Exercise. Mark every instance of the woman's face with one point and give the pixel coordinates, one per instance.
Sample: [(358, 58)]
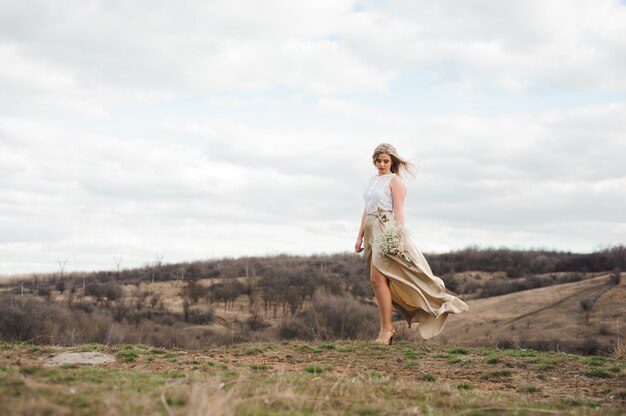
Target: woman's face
[(383, 163)]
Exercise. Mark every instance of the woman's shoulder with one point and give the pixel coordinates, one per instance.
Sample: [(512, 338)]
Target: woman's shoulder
[(397, 180)]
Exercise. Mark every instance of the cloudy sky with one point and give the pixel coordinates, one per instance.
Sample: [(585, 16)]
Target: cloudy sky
[(200, 129)]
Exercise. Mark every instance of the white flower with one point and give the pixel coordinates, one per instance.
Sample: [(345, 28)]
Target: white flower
[(391, 241)]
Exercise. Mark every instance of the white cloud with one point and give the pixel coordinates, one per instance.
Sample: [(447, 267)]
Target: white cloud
[(482, 181), (87, 57), (196, 129), (513, 45)]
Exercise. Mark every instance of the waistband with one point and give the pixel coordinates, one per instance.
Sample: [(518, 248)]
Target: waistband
[(382, 214), (379, 211)]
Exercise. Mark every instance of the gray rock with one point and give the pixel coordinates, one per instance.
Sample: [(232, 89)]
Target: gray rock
[(85, 358)]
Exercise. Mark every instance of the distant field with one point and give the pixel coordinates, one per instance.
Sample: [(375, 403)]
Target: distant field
[(358, 378)]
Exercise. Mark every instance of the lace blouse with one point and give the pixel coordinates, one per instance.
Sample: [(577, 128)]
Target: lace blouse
[(378, 193)]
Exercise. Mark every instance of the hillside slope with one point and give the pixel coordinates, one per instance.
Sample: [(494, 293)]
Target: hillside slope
[(542, 316)]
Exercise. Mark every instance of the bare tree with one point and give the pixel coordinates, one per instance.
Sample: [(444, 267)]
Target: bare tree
[(118, 260), (159, 261), (62, 266), (35, 288)]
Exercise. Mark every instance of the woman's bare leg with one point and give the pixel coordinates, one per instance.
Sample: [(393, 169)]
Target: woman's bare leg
[(383, 297)]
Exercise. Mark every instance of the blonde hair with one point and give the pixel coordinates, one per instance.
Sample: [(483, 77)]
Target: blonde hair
[(399, 166)]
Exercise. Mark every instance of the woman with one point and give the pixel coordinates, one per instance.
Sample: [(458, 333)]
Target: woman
[(403, 281)]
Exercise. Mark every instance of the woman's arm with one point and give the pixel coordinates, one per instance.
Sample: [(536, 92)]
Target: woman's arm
[(398, 191), (358, 247)]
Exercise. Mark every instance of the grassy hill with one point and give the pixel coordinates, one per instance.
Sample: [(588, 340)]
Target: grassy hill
[(343, 377), (589, 314)]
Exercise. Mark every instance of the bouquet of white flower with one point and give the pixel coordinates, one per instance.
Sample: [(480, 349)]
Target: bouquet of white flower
[(391, 241)]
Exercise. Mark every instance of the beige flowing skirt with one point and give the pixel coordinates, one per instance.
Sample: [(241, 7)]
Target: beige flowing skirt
[(417, 294)]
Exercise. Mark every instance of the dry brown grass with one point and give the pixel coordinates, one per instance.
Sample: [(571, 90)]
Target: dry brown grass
[(549, 317), (543, 316), (354, 378), (619, 351)]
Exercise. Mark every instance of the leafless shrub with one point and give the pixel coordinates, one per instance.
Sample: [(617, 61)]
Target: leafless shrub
[(604, 330), (332, 317), (586, 304), (120, 311), (471, 287), (24, 318), (619, 348), (83, 306), (45, 292), (200, 317), (256, 322), (616, 277), (60, 286), (155, 300), (192, 291), (590, 346), (105, 292)]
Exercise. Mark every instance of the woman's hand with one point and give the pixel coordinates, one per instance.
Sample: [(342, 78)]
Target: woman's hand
[(358, 247)]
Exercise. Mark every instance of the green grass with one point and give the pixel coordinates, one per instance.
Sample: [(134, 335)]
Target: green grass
[(521, 352), (316, 369), (173, 374), (595, 361), (529, 388), (488, 350), (454, 359), (259, 366), (598, 372), (313, 369), (409, 353), (89, 347), (493, 360), (128, 356), (375, 376), (496, 375), (27, 371), (428, 377)]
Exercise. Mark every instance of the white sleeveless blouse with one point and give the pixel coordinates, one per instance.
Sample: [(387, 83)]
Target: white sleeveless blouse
[(378, 193)]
